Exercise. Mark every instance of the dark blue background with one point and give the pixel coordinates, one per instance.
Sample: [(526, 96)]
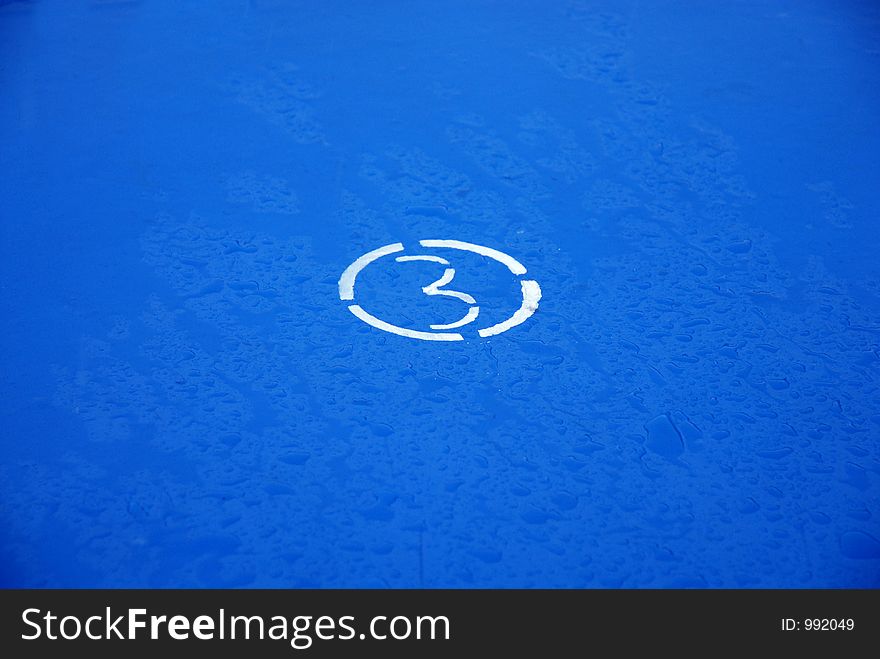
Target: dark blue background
[(186, 402)]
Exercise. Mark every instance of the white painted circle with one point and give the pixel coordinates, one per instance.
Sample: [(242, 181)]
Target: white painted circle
[(531, 291)]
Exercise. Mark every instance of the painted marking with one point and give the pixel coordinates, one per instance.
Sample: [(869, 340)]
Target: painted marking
[(346, 281), (470, 317), (401, 331), (531, 291), (422, 257), (434, 289), (512, 264)]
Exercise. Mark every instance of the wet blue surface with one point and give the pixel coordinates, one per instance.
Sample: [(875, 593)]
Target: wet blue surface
[(187, 402)]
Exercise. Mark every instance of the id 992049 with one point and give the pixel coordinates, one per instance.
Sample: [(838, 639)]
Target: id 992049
[(817, 624)]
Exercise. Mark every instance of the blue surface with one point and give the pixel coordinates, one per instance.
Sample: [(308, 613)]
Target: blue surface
[(187, 402)]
